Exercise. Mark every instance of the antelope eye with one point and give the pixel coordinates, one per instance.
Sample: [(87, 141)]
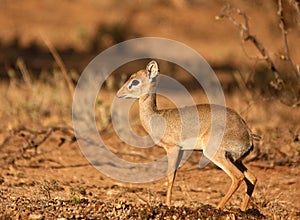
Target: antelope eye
[(135, 82)]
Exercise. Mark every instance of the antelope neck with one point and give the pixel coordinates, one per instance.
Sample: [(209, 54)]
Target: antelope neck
[(147, 102)]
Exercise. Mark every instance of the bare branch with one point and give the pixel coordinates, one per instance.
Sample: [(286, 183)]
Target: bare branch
[(286, 55), (284, 33), (286, 91), (296, 4), (246, 35)]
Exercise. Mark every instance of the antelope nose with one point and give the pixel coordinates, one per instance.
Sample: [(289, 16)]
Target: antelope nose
[(120, 95)]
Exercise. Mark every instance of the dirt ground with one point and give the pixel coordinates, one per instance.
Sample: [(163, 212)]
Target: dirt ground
[(43, 172)]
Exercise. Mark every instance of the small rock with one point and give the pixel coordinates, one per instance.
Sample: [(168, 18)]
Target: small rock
[(35, 216)]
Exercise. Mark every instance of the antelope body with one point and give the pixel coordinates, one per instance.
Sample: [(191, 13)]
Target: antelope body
[(236, 143)]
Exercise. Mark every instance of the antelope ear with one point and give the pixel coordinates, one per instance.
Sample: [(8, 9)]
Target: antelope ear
[(152, 70)]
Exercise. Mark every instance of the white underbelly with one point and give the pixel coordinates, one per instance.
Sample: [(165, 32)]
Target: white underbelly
[(191, 144)]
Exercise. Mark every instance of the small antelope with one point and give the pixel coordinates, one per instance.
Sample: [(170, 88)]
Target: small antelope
[(236, 143)]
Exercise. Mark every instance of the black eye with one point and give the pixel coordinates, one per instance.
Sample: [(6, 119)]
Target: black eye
[(135, 82)]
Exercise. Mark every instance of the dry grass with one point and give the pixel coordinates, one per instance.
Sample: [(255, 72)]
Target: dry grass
[(44, 103)]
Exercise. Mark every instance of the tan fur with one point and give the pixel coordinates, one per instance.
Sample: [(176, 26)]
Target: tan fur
[(237, 140)]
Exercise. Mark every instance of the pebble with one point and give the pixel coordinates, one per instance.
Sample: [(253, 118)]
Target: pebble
[(35, 216)]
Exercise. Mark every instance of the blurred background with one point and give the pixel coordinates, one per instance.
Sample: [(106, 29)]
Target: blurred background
[(81, 29)]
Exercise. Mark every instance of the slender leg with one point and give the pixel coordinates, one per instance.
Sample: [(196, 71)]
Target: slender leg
[(236, 176), (174, 158), (250, 180)]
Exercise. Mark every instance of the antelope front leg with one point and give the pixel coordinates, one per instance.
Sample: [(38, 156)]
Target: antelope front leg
[(174, 158)]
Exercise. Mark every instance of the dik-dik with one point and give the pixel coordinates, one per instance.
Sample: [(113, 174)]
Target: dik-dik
[(236, 142)]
